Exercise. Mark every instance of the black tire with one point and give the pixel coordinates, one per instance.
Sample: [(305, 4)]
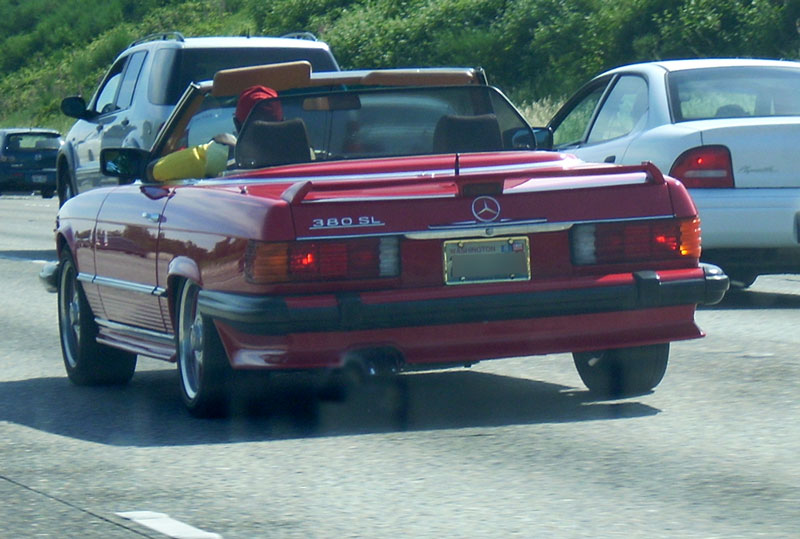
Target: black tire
[(623, 372), (64, 185), (87, 362), (48, 193), (742, 279), (203, 369)]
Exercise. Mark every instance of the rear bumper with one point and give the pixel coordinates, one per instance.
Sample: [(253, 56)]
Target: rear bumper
[(353, 312), (749, 217), (741, 263), (28, 179)]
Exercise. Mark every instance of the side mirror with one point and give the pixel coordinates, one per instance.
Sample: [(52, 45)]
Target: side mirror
[(533, 138), (544, 138), (127, 164), (521, 139), (75, 107)]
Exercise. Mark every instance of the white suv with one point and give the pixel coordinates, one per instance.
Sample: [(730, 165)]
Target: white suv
[(143, 85)]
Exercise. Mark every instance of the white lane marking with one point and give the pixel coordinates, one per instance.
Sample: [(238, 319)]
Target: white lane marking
[(168, 526)]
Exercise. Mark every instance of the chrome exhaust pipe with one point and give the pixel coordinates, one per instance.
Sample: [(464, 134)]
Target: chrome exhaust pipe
[(382, 362)]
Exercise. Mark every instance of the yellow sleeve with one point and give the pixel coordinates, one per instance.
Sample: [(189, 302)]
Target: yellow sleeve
[(201, 161), (187, 163)]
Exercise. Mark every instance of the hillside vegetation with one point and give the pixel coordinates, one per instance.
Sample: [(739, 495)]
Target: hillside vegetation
[(537, 51)]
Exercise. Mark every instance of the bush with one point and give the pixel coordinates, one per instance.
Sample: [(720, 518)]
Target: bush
[(537, 51)]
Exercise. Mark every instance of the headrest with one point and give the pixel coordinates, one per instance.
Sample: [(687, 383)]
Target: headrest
[(263, 144)]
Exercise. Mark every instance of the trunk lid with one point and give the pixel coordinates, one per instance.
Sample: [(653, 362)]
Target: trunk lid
[(474, 198), (762, 149)]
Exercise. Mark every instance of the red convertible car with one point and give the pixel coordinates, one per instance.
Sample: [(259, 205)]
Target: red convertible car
[(393, 220)]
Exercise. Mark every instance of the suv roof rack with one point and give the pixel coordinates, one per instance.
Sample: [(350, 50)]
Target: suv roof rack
[(161, 36), (301, 35)]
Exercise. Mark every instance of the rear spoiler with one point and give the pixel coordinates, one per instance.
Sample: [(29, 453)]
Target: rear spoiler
[(484, 182)]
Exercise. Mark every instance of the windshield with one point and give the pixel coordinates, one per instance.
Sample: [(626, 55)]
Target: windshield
[(733, 92), (363, 123)]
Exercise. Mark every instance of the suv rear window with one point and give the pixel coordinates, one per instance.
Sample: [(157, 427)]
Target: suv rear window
[(176, 68), (31, 142)]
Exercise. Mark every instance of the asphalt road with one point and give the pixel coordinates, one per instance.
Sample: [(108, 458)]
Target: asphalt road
[(511, 447)]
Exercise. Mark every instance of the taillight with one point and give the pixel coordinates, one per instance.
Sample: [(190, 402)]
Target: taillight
[(324, 260), (635, 241), (704, 167)]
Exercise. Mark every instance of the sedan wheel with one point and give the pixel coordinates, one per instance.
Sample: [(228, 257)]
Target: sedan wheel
[(87, 362), (203, 366), (623, 372)]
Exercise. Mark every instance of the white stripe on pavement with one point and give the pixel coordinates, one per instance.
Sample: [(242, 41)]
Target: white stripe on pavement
[(168, 526)]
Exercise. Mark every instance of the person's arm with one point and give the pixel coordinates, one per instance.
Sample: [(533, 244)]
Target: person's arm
[(202, 161)]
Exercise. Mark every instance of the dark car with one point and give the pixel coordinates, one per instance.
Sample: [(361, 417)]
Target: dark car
[(28, 160)]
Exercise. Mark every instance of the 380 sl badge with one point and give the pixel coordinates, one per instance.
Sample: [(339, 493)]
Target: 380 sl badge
[(345, 222)]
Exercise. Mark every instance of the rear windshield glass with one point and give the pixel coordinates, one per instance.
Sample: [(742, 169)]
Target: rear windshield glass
[(372, 123), (167, 83), (385, 122), (734, 92), (32, 142)]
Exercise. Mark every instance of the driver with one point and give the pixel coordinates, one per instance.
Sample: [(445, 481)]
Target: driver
[(210, 159)]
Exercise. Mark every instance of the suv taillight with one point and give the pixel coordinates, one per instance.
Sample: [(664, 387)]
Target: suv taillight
[(636, 241), (324, 260), (704, 167)]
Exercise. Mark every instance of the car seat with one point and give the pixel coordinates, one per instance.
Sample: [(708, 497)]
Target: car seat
[(467, 134), (264, 144), (730, 111)]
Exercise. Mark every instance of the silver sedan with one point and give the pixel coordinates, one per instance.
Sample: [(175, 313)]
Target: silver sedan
[(728, 128)]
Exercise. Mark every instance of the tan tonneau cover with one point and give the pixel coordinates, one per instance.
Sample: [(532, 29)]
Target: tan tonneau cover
[(298, 75)]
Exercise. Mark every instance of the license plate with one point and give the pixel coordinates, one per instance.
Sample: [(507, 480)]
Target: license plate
[(487, 260), (39, 178)]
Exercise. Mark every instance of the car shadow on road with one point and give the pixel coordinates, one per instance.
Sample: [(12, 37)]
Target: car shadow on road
[(148, 412), (40, 254), (756, 299)]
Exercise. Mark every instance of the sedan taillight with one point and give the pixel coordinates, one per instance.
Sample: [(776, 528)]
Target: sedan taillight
[(636, 241), (704, 167), (324, 260)]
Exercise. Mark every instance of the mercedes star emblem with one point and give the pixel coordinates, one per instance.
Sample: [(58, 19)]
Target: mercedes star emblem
[(485, 209)]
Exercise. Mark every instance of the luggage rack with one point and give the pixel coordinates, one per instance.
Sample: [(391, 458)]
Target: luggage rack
[(160, 36), (301, 35)]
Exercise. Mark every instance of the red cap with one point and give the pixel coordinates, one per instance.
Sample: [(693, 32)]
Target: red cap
[(249, 97)]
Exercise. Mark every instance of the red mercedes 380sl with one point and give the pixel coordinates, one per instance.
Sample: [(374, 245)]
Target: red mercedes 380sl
[(390, 220)]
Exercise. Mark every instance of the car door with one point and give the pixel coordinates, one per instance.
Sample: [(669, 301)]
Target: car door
[(107, 124), (126, 241), (118, 130), (603, 118)]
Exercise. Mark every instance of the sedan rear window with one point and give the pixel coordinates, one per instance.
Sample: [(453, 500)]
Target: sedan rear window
[(734, 92)]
